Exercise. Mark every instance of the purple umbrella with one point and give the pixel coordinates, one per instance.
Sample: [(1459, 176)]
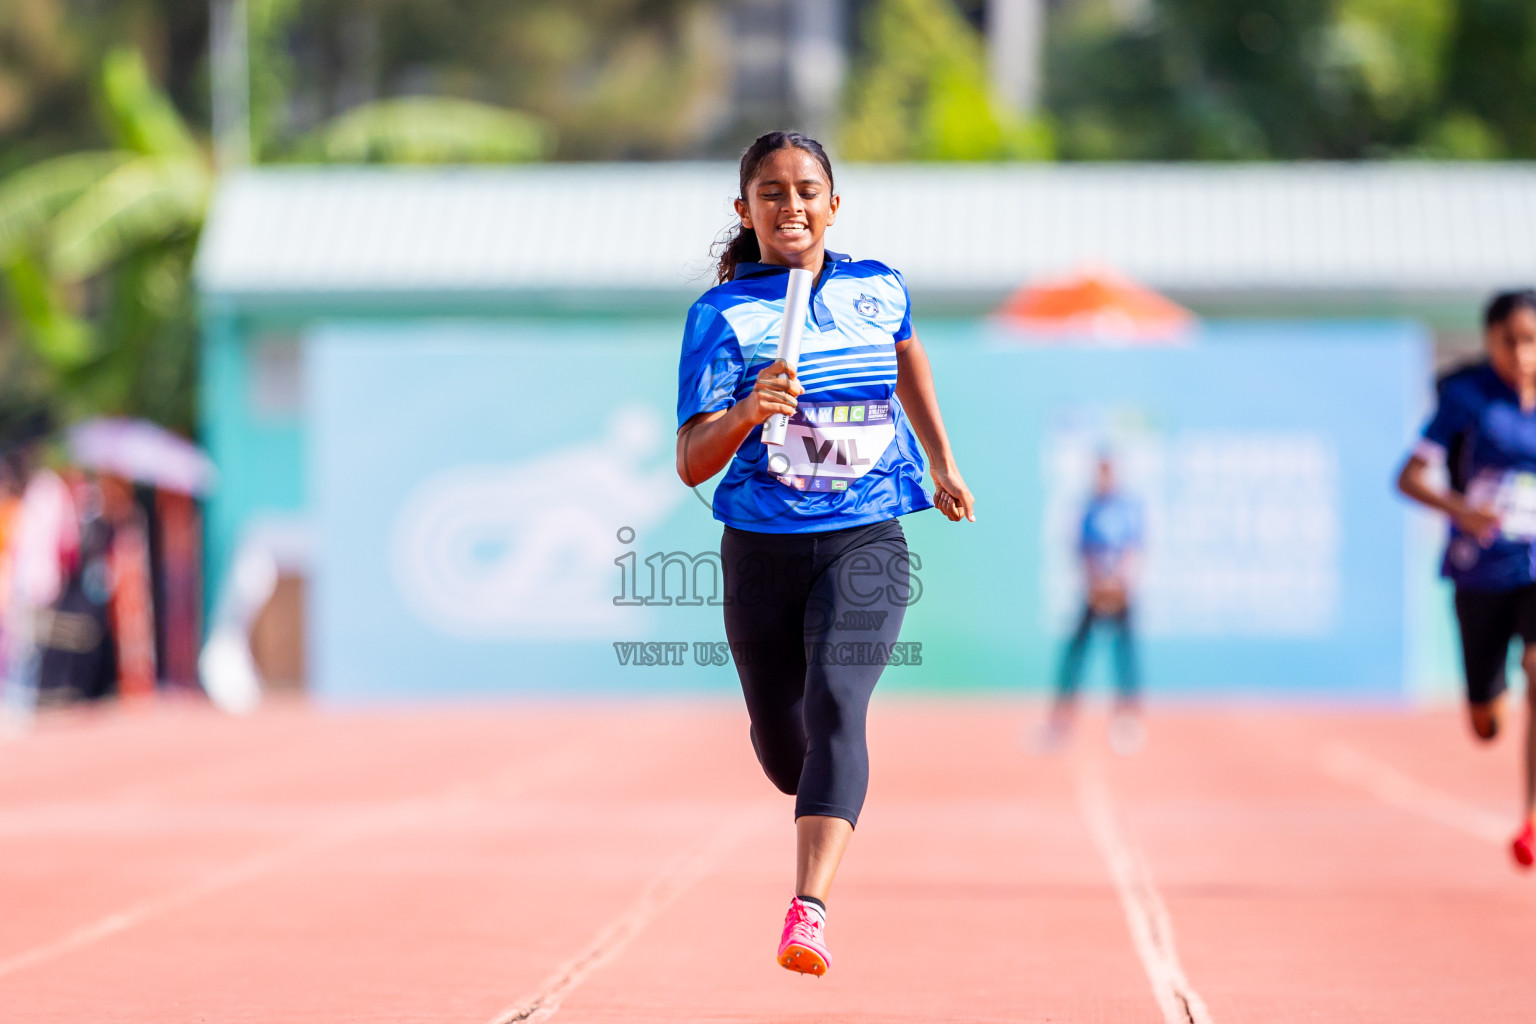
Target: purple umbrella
[(141, 451)]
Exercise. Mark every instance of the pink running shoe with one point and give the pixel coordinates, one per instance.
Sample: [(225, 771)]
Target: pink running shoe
[(804, 945), (1523, 848)]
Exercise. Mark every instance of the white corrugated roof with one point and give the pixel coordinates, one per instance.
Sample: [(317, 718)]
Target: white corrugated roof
[(953, 228)]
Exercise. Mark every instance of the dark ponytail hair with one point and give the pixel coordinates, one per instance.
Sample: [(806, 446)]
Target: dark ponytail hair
[(740, 246), (1503, 306)]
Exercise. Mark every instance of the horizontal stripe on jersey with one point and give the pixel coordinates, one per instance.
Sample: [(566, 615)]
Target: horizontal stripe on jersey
[(1489, 443), (849, 468)]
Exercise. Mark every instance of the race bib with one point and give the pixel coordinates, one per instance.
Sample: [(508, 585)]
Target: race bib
[(830, 444), (1510, 493)]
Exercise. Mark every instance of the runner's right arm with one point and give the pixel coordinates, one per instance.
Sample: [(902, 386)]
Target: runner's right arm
[(1450, 419), (707, 442), (1413, 482)]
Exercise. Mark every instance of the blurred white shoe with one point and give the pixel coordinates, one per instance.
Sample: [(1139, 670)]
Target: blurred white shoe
[(1127, 734), (1052, 736)]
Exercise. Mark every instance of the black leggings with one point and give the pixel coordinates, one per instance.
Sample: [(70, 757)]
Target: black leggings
[(810, 618), (1489, 621)]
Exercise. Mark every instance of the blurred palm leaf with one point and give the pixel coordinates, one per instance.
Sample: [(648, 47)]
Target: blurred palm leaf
[(147, 200), (32, 197), (128, 219), (139, 114), (113, 233), (60, 338), (429, 130)]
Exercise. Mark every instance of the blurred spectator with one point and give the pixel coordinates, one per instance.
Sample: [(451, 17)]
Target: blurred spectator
[(78, 658), (179, 589), (11, 484), (1109, 546), (100, 574), (131, 608), (43, 547)]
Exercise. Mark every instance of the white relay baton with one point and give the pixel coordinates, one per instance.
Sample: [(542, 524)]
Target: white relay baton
[(797, 300)]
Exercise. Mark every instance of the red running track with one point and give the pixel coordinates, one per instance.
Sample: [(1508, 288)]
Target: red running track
[(629, 863)]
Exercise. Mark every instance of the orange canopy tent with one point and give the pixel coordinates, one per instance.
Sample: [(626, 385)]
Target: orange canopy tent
[(1098, 306)]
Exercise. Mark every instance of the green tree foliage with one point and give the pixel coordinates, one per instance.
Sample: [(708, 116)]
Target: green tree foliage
[(50, 54), (429, 130), (269, 24), (96, 246), (104, 184), (1311, 79), (36, 62), (1485, 109), (1390, 52), (609, 78), (921, 92)]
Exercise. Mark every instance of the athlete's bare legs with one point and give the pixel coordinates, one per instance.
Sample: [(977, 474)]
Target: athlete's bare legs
[(1488, 718), (1528, 662), (1524, 845), (820, 842)]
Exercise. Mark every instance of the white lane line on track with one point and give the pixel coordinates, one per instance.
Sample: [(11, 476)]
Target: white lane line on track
[(396, 815), (616, 936), (136, 914), (1150, 926), (1391, 786)]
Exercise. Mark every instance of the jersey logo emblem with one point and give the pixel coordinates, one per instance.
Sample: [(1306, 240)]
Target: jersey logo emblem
[(866, 307), (1463, 553)]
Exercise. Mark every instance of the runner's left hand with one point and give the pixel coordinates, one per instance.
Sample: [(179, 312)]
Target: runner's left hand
[(952, 497)]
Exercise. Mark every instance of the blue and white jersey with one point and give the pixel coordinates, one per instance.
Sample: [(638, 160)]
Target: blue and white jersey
[(1489, 446), (1112, 528), (853, 457)]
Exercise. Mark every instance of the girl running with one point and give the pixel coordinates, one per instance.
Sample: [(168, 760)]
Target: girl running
[(816, 567), (1484, 433)]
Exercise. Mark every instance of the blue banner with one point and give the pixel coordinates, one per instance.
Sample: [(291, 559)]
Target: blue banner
[(497, 510)]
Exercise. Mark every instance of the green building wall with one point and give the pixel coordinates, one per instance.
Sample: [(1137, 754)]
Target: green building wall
[(259, 453)]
